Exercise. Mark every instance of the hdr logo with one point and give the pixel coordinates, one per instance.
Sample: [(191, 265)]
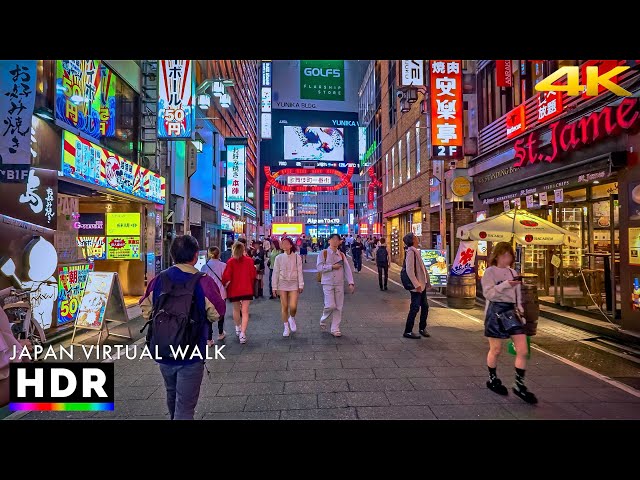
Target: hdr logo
[(61, 386), (322, 72)]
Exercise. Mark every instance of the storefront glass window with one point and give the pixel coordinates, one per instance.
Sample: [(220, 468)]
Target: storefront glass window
[(603, 191)]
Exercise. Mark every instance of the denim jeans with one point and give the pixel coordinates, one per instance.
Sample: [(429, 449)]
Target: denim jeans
[(418, 302), (183, 388)]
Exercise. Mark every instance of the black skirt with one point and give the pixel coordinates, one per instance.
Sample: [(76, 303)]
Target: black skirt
[(238, 299), (494, 326)]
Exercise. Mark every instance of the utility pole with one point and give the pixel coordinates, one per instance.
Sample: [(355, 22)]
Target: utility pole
[(190, 167)]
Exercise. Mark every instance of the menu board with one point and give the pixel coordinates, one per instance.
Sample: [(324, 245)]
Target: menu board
[(123, 248), (96, 247), (72, 280), (436, 265), (123, 224)]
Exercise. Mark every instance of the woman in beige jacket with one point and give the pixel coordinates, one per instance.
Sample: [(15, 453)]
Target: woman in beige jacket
[(420, 279)]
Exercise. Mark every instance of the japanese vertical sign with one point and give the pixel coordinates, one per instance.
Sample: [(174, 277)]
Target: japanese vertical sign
[(447, 135), (17, 98), (549, 105), (236, 168), (504, 76), (412, 73), (107, 102), (175, 99), (72, 280), (35, 201), (465, 258), (78, 95)]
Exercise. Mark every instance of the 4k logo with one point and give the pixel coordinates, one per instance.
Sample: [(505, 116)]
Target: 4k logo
[(595, 82)]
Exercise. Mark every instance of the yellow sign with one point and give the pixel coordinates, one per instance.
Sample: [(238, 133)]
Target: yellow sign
[(634, 246), (123, 224), (288, 228), (460, 186), (123, 248), (595, 80)]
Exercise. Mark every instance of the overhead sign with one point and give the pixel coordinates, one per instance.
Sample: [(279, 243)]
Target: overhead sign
[(516, 121), (175, 99), (123, 224), (265, 99), (249, 210), (123, 248), (412, 73), (93, 164), (308, 180), (447, 134), (504, 75), (233, 207), (288, 228), (78, 95), (322, 79), (236, 172), (72, 280), (266, 74), (323, 221)]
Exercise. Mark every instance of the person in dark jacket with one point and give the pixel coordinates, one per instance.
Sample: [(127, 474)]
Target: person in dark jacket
[(258, 261), (357, 247), (226, 255), (382, 262)]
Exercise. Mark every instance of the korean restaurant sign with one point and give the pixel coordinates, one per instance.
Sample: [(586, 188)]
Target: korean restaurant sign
[(17, 99), (90, 163), (567, 137), (78, 95), (236, 168), (516, 121), (447, 135), (412, 73), (175, 99)]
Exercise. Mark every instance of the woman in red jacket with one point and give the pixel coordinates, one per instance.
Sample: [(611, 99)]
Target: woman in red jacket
[(238, 278)]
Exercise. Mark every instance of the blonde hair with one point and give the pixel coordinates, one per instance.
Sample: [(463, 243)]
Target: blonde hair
[(499, 249), (238, 250), (214, 252)]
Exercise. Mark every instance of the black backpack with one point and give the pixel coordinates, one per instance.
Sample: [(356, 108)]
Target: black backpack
[(404, 276), (175, 319), (382, 257)]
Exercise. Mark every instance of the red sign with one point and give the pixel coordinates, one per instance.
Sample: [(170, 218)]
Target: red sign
[(504, 76), (604, 66), (529, 223), (447, 134), (528, 238), (567, 137), (549, 105), (516, 121)]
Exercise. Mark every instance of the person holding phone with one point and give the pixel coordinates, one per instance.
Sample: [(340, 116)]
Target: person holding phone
[(501, 287)]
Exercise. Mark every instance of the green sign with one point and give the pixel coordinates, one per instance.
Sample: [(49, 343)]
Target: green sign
[(322, 79)]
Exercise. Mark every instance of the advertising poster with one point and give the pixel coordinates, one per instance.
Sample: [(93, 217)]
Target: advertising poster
[(175, 99), (322, 79), (542, 198), (127, 224), (85, 161), (602, 214), (78, 95), (72, 280), (436, 265), (107, 102), (314, 143), (634, 201), (123, 248), (634, 246), (93, 248), (94, 302), (465, 258)]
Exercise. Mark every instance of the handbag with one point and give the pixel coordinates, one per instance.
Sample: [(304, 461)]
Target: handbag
[(404, 276), (506, 315)]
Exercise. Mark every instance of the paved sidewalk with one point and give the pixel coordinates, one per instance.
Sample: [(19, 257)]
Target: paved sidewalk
[(372, 372)]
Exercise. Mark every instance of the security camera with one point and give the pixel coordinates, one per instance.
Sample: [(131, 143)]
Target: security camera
[(399, 94)]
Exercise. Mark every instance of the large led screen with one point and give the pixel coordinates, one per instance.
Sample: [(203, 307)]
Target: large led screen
[(314, 143)]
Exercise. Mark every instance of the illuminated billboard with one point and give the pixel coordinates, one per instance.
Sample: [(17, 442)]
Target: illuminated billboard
[(314, 143), (123, 224), (286, 228)]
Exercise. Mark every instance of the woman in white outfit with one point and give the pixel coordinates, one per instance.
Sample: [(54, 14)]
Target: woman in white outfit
[(288, 282)]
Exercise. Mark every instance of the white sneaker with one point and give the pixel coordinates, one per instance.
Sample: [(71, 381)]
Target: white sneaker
[(292, 324), (286, 330), (243, 338), (238, 330)]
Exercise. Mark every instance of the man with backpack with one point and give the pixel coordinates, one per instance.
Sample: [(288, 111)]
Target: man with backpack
[(382, 262), (179, 305), (414, 277)]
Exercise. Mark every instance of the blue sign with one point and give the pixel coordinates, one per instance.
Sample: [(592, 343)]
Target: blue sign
[(249, 210)]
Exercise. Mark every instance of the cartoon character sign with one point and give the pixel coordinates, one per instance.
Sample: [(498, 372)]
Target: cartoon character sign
[(113, 172)]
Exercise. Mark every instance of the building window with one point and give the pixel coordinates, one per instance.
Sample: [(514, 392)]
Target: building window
[(386, 170), (400, 162), (391, 82), (417, 147), (408, 154), (393, 167)]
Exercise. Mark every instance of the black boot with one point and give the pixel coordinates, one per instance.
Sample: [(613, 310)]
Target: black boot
[(521, 390), (495, 384)]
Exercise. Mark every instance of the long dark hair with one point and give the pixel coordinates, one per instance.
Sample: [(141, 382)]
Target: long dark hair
[(290, 240)]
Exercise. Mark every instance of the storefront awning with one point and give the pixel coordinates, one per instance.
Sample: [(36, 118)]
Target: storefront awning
[(398, 211)]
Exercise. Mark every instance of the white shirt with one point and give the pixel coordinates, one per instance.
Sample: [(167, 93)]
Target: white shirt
[(329, 275), (287, 268), (496, 286)]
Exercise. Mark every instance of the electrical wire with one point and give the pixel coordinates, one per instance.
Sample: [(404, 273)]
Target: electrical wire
[(591, 295)]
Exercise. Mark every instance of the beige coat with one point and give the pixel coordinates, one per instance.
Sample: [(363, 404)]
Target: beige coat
[(416, 269)]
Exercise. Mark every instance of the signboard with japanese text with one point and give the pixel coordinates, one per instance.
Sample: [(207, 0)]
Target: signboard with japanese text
[(175, 99), (322, 79), (265, 102), (308, 180), (504, 75), (233, 207), (123, 248), (34, 202), (93, 164), (78, 95), (265, 125), (72, 280), (266, 74), (93, 247), (412, 73), (236, 171), (436, 264), (127, 224), (17, 99), (88, 223), (549, 105), (447, 110), (516, 121), (107, 102)]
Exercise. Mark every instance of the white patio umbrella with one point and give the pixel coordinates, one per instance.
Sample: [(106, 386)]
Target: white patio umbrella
[(521, 226)]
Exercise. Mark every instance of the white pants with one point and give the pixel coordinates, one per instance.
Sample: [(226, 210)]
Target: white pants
[(333, 303)]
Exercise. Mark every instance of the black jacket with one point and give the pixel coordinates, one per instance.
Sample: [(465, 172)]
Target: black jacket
[(356, 248), (382, 256)]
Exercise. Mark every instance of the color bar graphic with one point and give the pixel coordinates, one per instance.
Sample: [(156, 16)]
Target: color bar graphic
[(61, 407)]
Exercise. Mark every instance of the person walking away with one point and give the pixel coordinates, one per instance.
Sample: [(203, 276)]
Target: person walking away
[(420, 280), (382, 262), (288, 282), (314, 244), (226, 255), (215, 268), (334, 269), (275, 251), (238, 279), (356, 252), (177, 297), (502, 289), (258, 261), (303, 250)]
